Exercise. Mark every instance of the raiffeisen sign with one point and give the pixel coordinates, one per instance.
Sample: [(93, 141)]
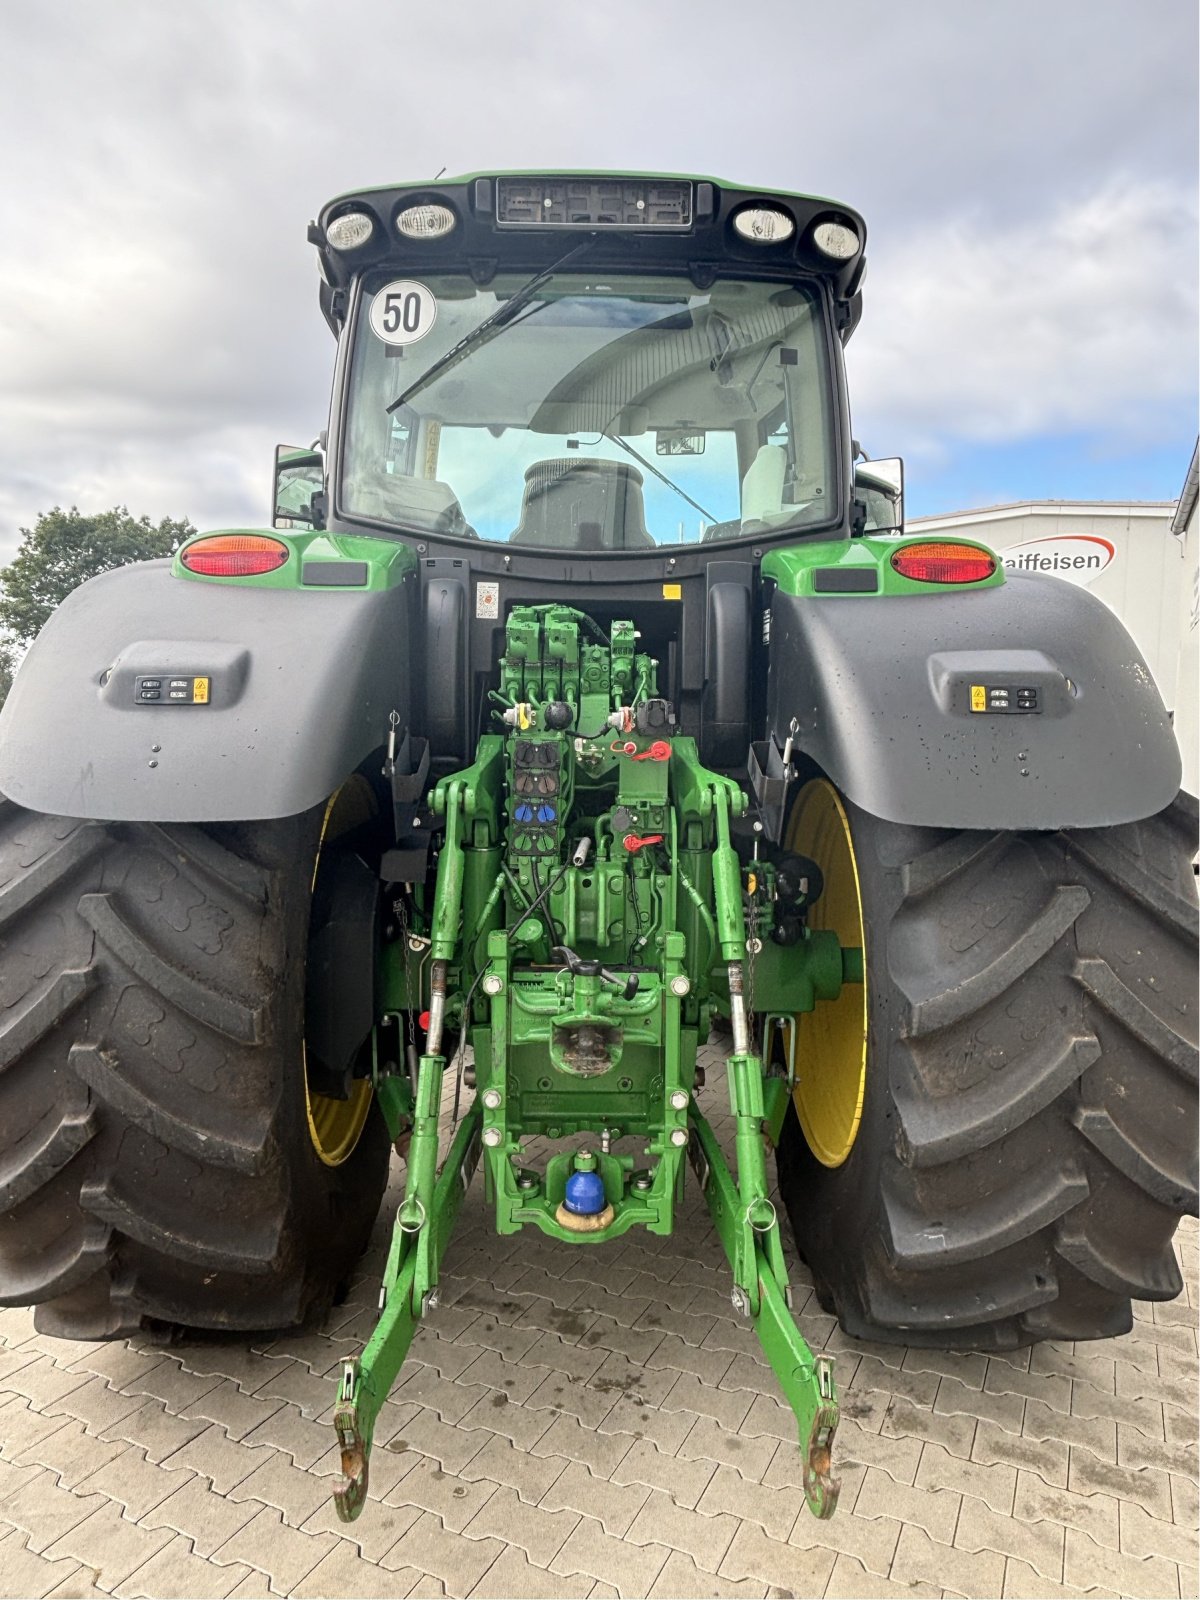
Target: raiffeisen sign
[(1078, 557)]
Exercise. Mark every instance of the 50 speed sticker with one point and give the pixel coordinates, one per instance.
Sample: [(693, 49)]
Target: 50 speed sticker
[(403, 312)]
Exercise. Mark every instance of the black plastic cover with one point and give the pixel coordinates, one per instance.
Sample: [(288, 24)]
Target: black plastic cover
[(880, 688), (301, 683)]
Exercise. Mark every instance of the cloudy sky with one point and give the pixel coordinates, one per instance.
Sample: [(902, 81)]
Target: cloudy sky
[(1027, 169)]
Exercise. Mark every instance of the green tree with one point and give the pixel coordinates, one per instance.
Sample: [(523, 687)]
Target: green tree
[(7, 668), (62, 549)]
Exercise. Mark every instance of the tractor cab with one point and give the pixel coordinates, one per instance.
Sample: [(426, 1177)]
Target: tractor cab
[(596, 367)]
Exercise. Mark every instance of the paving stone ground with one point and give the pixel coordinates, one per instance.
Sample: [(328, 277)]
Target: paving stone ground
[(596, 1423)]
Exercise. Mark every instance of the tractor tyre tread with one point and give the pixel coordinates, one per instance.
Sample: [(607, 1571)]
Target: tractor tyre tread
[(1028, 1141), (155, 1159)]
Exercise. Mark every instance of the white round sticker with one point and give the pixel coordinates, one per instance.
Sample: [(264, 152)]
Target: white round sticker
[(403, 312)]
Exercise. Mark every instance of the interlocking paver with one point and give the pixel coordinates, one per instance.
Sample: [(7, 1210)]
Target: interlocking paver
[(684, 1481), (155, 1430), (1095, 1513), (589, 1550), (1049, 1458), (178, 1573), (954, 1399), (71, 1453), (607, 1333), (1039, 1543), (666, 1429), (284, 1554), (279, 1483), (26, 1575), (22, 1425), (1185, 1504), (430, 1436), (42, 1383), (201, 1515), (456, 1562), (219, 1458), (1023, 1582), (452, 1499), (169, 1384), (513, 1574), (613, 1505), (850, 1580), (1088, 1565), (287, 1428), (343, 1575), (774, 1510), (110, 1543), (539, 1531), (903, 1420), (996, 1485), (728, 1407), (95, 1403), (1144, 1535), (373, 1536), (871, 1541), (934, 1510), (295, 1383), (1134, 1449), (1147, 1416), (753, 1555), (136, 1484), (919, 1388), (43, 1511), (919, 1559), (567, 1437), (709, 1441), (682, 1579), (502, 1463)]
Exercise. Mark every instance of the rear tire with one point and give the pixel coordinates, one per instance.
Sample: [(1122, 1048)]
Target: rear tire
[(156, 1163), (1029, 1124)]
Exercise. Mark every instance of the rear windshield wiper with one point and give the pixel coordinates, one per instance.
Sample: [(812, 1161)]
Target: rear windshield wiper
[(503, 317)]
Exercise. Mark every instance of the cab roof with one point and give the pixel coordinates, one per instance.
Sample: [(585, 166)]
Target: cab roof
[(499, 224)]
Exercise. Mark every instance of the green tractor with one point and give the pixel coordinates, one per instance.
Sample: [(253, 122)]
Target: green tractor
[(570, 708)]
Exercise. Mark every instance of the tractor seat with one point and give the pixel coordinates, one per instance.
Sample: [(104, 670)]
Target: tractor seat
[(583, 505)]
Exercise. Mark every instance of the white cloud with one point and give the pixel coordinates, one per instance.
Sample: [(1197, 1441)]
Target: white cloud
[(158, 321), (1080, 322)]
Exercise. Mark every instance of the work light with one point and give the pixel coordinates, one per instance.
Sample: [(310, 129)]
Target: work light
[(351, 229)]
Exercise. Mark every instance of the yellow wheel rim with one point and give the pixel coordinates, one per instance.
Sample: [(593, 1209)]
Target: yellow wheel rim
[(335, 1126), (831, 1040)]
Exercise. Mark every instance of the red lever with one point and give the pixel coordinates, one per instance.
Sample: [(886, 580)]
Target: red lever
[(634, 842)]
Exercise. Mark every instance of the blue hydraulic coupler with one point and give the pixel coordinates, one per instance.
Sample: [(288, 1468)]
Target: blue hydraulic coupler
[(584, 1194)]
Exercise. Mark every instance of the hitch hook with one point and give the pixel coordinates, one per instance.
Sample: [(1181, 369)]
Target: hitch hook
[(821, 1488), (350, 1490)]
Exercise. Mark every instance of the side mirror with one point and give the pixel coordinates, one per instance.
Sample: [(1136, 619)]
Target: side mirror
[(879, 486), (299, 492)]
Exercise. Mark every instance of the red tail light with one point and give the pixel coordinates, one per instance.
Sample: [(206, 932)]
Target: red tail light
[(939, 561), (234, 555)]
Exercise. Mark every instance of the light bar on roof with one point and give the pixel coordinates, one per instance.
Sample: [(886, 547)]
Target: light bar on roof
[(593, 203)]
